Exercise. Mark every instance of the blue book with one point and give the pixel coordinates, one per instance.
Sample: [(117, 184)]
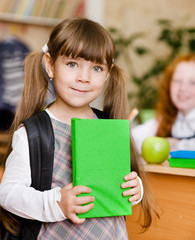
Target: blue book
[(183, 154)]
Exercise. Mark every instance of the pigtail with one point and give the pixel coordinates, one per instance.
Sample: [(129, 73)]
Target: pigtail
[(115, 97), (148, 206), (115, 103)]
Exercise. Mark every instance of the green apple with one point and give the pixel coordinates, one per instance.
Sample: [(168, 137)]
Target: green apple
[(155, 149)]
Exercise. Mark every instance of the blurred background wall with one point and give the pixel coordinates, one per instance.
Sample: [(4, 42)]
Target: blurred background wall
[(137, 16), (136, 34)]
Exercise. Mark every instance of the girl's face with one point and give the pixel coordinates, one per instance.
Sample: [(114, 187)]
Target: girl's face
[(78, 82), (182, 89)]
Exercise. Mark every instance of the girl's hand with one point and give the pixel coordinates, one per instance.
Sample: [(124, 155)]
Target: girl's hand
[(70, 204), (133, 182)]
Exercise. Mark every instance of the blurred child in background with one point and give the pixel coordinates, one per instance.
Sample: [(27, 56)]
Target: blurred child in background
[(175, 112)]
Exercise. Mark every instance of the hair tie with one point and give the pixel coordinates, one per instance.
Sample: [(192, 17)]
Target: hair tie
[(45, 48), (112, 60)]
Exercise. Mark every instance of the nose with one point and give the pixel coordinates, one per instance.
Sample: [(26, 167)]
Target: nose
[(184, 86), (83, 75)]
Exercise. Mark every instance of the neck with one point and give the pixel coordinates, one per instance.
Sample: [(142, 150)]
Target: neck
[(185, 113), (69, 112)]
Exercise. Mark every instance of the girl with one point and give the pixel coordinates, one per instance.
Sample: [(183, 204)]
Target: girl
[(79, 58), (175, 109)]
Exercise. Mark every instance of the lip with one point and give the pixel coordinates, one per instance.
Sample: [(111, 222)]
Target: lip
[(183, 98), (79, 90)]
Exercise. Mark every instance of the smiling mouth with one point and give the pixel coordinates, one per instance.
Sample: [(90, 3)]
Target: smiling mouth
[(79, 90), (183, 98)]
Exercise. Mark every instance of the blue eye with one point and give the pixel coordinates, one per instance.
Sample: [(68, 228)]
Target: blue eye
[(72, 64), (97, 69)]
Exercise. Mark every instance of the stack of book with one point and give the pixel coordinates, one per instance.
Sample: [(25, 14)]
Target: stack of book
[(43, 8), (182, 159)]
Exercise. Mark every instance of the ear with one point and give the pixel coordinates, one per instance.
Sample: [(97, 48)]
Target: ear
[(49, 65)]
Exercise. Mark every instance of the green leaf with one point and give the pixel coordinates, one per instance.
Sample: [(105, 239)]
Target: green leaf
[(141, 50), (192, 45)]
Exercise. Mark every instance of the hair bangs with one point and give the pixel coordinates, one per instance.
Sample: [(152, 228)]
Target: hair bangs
[(89, 42)]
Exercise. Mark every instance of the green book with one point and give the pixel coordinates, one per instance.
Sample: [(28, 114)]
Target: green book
[(181, 162), (100, 160)]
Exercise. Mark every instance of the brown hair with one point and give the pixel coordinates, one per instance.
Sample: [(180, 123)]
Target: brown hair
[(166, 110), (77, 37)]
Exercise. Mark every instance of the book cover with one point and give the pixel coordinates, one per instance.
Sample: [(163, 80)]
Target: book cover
[(181, 162), (183, 154), (100, 160)]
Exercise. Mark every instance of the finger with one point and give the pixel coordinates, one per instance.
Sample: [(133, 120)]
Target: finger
[(130, 176), (81, 189), (76, 220), (132, 183), (85, 208), (132, 191), (84, 200), (135, 197)]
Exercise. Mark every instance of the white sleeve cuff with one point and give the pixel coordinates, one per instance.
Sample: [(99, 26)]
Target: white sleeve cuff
[(142, 192), (58, 209)]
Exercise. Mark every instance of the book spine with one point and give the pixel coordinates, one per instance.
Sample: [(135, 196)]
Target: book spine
[(74, 177), (62, 7), (29, 7), (15, 6), (22, 7)]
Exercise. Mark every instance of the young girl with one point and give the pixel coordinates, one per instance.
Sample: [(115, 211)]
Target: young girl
[(175, 109), (79, 58)]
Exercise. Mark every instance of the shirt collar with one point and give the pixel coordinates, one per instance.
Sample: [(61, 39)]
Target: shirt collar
[(189, 116)]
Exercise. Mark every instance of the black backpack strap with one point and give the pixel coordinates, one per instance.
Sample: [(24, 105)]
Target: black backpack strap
[(41, 146), (100, 114)]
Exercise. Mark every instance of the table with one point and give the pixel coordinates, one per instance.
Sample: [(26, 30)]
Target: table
[(174, 191)]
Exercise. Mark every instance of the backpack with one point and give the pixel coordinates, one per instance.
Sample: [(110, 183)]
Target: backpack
[(41, 147)]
